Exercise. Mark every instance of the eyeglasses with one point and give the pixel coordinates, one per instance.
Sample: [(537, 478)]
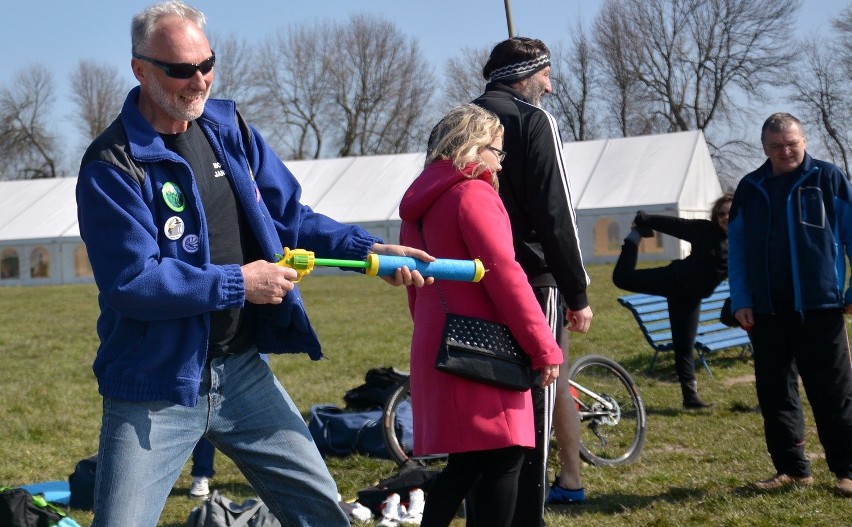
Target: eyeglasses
[(780, 147), (501, 155), (180, 70)]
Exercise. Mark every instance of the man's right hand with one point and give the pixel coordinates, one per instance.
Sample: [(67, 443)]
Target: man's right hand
[(267, 283), (579, 321), (746, 317)]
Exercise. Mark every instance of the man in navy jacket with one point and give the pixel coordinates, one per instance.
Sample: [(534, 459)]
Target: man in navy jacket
[(790, 233), (183, 209)]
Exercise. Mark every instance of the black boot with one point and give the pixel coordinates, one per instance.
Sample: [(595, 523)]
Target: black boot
[(689, 389)]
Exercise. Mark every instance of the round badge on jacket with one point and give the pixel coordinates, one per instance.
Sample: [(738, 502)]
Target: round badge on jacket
[(173, 196), (173, 228)]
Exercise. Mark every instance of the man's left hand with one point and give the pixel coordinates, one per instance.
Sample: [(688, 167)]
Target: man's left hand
[(403, 275)]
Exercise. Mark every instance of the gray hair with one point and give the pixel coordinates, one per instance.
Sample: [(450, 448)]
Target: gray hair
[(144, 23), (779, 122)]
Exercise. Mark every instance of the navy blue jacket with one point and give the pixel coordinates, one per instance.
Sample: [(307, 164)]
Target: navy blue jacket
[(156, 285), (819, 228)]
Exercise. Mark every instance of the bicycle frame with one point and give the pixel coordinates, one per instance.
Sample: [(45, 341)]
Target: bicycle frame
[(585, 412)]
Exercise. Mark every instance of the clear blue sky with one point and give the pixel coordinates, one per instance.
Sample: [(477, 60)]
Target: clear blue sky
[(58, 34)]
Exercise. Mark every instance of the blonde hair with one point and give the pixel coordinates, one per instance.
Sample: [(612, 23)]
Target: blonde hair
[(461, 134)]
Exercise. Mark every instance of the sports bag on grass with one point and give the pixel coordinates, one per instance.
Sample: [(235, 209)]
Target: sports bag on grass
[(219, 511), (19, 508), (82, 483), (484, 351), (378, 386), (337, 432)]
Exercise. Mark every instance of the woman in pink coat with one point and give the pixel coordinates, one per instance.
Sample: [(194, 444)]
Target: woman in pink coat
[(452, 210)]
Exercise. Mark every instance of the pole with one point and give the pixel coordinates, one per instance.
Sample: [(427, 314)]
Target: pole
[(509, 18)]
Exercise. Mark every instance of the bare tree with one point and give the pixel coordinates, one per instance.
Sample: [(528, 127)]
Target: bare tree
[(381, 86), (27, 146), (843, 26), (691, 57), (463, 81), (294, 107), (823, 92), (621, 91), (573, 79), (356, 88), (235, 71), (98, 92)]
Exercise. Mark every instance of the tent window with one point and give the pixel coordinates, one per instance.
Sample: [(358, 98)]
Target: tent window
[(10, 267), (652, 245), (39, 263), (82, 266), (607, 237)]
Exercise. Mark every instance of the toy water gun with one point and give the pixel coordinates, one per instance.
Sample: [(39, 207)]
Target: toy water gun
[(303, 261)]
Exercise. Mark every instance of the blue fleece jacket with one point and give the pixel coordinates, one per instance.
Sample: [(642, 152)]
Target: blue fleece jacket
[(819, 230), (147, 244)]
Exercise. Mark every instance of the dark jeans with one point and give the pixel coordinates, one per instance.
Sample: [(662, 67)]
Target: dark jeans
[(202, 459), (684, 307), (495, 473), (532, 480), (816, 347)]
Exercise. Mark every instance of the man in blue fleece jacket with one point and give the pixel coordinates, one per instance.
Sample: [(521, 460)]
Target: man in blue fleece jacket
[(183, 209), (789, 236)]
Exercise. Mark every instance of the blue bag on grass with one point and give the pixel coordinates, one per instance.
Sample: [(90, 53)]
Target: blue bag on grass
[(338, 432)]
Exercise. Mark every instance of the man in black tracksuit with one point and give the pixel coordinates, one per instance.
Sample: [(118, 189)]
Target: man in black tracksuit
[(535, 190)]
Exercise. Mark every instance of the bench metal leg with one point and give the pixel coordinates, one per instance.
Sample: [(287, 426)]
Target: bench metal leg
[(653, 360), (704, 363)]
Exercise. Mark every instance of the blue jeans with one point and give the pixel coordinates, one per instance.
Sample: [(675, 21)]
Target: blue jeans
[(247, 415)]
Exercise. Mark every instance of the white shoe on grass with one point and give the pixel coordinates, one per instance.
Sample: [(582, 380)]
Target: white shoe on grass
[(200, 487)]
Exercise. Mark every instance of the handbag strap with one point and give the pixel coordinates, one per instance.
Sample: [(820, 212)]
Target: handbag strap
[(437, 283)]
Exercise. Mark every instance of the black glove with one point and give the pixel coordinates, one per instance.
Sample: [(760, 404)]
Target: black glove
[(640, 224)]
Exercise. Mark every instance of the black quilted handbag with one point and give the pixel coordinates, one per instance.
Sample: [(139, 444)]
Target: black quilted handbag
[(485, 352), (482, 351)]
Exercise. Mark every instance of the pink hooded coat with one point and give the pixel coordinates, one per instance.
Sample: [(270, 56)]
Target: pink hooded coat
[(464, 218)]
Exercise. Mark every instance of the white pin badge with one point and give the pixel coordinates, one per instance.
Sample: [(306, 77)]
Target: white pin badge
[(173, 228)]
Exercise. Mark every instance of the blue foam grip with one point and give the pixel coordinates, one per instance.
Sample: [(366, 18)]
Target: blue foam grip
[(440, 269)]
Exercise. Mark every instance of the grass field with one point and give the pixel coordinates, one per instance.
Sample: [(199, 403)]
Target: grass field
[(694, 471)]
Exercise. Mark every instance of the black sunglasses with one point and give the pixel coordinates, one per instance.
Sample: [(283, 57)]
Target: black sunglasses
[(180, 70)]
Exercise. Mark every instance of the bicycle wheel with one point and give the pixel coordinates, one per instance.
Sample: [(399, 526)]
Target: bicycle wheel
[(611, 410), (400, 448), (399, 452)]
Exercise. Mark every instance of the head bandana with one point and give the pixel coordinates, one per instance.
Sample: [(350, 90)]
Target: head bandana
[(519, 70)]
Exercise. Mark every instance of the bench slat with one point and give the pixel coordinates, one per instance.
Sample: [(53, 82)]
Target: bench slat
[(652, 314)]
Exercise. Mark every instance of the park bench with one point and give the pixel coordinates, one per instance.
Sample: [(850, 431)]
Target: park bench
[(652, 314)]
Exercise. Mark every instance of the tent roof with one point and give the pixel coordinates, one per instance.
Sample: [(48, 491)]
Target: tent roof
[(357, 189), (671, 170), (38, 209)]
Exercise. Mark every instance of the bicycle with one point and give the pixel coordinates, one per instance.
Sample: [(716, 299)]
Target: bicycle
[(607, 400)]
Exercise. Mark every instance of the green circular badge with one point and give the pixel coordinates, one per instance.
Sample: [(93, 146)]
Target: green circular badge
[(173, 197)]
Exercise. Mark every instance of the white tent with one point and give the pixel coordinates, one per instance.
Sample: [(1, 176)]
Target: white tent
[(610, 180)]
